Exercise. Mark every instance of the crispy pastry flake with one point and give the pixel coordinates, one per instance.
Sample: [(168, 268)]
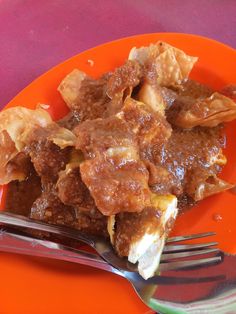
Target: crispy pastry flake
[(208, 112), (18, 127), (171, 64)]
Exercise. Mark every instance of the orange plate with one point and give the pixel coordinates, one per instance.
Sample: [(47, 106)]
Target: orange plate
[(33, 285)]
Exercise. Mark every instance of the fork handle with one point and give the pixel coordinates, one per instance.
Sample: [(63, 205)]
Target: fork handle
[(12, 242), (24, 222)]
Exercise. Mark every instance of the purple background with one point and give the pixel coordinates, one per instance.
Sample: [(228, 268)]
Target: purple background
[(36, 35)]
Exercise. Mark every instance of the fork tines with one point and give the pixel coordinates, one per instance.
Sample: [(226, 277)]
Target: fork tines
[(180, 256)]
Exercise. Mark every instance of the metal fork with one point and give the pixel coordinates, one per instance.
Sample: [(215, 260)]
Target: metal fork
[(15, 242), (171, 257)]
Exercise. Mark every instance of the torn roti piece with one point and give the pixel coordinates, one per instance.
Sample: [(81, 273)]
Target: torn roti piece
[(162, 98), (54, 133), (149, 126), (8, 170), (49, 149), (124, 79), (208, 112), (19, 121), (229, 91), (165, 64), (18, 128), (141, 236), (85, 96), (15, 125), (90, 98), (71, 190), (210, 186), (112, 170), (70, 86), (152, 95), (197, 155)]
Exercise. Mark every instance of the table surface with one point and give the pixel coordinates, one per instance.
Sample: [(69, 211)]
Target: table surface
[(36, 35)]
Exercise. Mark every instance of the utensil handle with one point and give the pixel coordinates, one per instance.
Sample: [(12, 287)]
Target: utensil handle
[(12, 242), (21, 221)]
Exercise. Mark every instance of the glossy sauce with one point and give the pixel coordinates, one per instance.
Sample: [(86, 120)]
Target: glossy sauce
[(187, 156)]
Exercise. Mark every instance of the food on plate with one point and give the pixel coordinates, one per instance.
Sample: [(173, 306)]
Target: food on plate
[(209, 111), (141, 236), (139, 145), (18, 127), (165, 65)]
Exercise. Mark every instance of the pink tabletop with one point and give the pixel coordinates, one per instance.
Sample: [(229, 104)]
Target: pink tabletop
[(36, 35)]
